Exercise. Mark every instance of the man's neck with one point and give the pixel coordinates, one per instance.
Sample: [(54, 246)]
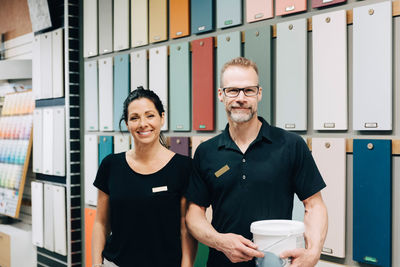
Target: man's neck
[(244, 133)]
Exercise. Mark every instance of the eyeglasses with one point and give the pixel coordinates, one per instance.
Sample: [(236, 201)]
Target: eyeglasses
[(234, 91)]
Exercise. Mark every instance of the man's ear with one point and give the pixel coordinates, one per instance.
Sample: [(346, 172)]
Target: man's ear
[(220, 95), (259, 96)]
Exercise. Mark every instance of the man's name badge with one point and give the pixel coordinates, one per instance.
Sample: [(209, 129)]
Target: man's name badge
[(221, 171)]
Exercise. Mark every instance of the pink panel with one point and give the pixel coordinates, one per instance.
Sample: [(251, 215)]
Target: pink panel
[(284, 7), (259, 10)]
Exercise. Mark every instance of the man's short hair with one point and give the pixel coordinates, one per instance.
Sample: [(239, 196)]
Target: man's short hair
[(241, 62)]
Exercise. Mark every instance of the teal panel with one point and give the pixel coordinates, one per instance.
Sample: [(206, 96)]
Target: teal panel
[(229, 13), (121, 88), (105, 147), (258, 48), (179, 87), (202, 256), (229, 47)]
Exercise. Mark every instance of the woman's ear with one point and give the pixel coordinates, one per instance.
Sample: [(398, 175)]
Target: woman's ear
[(162, 119)]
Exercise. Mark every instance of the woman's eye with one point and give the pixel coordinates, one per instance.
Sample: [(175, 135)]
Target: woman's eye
[(134, 118), (150, 116)]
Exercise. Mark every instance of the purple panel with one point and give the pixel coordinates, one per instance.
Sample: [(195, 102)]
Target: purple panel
[(180, 145)]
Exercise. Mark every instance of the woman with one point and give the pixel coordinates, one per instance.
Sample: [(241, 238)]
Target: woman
[(140, 196)]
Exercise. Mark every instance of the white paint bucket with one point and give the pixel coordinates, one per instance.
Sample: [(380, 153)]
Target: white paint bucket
[(275, 236)]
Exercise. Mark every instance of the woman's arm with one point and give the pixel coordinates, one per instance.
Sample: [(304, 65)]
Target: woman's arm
[(189, 244), (101, 227)]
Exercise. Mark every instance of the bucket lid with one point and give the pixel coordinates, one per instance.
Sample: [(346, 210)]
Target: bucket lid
[(277, 227)]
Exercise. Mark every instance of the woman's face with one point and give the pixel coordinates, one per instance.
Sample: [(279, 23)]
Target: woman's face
[(144, 123)]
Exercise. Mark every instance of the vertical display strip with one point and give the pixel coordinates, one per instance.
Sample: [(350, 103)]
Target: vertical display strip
[(48, 217), (180, 145), (90, 215), (37, 154), (139, 69), (291, 75), (57, 57), (229, 13), (46, 68), (330, 71), (258, 49), (37, 213), (59, 141), (322, 3), (203, 84), (121, 25), (285, 7), (91, 165), (59, 211), (105, 26), (121, 88), (48, 143), (259, 10), (330, 156), (36, 74), (179, 11), (158, 77), (372, 201), (180, 87), (139, 23), (90, 47), (229, 47), (91, 97), (106, 94), (372, 72), (158, 20), (202, 16)]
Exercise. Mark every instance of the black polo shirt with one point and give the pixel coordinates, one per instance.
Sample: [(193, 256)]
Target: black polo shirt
[(257, 185)]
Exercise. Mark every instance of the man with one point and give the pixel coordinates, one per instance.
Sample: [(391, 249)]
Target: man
[(250, 172)]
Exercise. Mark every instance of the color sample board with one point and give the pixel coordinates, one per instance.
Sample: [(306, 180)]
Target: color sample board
[(259, 10), (202, 16)]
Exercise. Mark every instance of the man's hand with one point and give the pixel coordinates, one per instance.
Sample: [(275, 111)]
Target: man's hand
[(237, 248), (301, 257)]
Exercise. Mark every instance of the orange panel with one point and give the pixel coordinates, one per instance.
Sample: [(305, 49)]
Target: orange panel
[(179, 18), (90, 215)]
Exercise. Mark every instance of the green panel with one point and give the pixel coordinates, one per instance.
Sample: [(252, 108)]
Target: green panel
[(202, 256), (258, 48), (179, 87), (229, 47)]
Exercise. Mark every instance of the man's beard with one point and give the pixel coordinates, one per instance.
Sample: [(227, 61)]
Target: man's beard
[(240, 117)]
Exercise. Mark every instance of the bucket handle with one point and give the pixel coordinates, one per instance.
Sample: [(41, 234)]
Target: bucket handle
[(276, 243)]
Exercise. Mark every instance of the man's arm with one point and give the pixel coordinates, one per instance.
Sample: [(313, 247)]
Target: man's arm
[(316, 227), (235, 247)]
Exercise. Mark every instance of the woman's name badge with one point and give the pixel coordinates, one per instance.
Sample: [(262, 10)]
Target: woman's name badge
[(159, 189)]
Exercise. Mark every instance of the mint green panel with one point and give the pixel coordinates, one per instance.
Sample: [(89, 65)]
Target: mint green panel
[(179, 87), (201, 256), (121, 88), (229, 13), (229, 47), (257, 47)]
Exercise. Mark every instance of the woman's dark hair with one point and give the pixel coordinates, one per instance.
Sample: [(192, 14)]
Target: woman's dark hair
[(138, 93)]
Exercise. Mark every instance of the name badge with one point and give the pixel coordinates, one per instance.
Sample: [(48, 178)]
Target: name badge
[(159, 189), (221, 171)]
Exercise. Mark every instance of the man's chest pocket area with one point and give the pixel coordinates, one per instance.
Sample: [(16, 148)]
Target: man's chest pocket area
[(223, 177)]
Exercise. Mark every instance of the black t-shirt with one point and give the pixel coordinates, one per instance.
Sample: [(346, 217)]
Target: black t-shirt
[(256, 185), (145, 211)]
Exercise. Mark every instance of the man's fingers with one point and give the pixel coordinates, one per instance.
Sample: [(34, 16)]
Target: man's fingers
[(248, 242), (294, 253)]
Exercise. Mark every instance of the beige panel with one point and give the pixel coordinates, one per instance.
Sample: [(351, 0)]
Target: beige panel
[(157, 20), (5, 250), (197, 140), (139, 23)]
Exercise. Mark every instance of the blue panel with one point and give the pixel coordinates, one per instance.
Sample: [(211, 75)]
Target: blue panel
[(105, 147), (229, 13), (121, 88), (202, 15), (372, 194)]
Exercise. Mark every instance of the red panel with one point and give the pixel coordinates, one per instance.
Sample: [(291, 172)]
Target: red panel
[(321, 3), (284, 7), (203, 84), (90, 215)]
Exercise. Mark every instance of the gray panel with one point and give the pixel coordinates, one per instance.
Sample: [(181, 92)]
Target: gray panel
[(105, 26), (91, 97)]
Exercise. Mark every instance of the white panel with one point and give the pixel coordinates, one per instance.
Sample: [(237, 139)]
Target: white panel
[(121, 143), (90, 47), (37, 153), (298, 209), (139, 71), (91, 166), (158, 77), (59, 211), (48, 217), (47, 141), (330, 156), (37, 213), (121, 25), (36, 85), (291, 75), (91, 96), (372, 67), (46, 68), (59, 141), (106, 94), (58, 63), (330, 71), (139, 22)]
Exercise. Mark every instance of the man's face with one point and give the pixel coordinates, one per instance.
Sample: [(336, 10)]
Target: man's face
[(241, 108)]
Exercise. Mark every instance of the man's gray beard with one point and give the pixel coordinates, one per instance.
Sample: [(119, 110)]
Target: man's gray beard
[(240, 117)]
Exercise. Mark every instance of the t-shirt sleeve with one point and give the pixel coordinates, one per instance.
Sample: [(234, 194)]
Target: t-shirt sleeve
[(102, 176), (307, 177), (197, 191)]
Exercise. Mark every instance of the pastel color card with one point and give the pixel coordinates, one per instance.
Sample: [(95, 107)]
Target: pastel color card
[(106, 94), (180, 145), (91, 157), (202, 16), (139, 23), (121, 88), (91, 96), (121, 25), (158, 20), (259, 10), (229, 13), (179, 20), (139, 69), (105, 147), (323, 3), (285, 7)]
